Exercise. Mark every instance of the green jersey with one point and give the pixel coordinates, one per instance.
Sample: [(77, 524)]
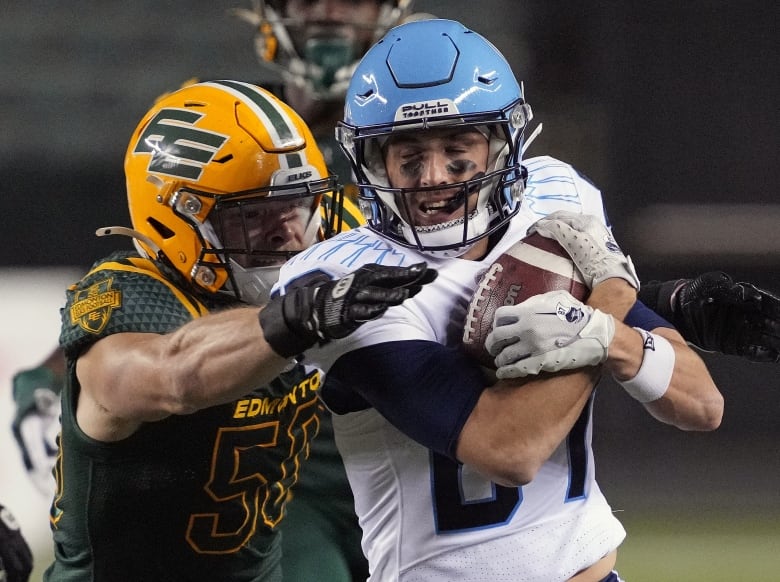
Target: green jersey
[(188, 498), (35, 391)]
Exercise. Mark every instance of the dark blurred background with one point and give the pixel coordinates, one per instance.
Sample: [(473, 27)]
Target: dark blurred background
[(670, 107)]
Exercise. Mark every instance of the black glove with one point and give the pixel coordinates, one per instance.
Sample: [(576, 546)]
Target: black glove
[(715, 313), (15, 555), (323, 310)]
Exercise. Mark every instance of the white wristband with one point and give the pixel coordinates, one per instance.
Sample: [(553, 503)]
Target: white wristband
[(654, 375)]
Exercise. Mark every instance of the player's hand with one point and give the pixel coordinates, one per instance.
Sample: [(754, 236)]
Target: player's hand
[(547, 333), (332, 309), (717, 314), (15, 556), (590, 244)]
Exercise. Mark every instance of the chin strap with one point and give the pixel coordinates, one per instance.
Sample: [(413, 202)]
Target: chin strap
[(134, 234)]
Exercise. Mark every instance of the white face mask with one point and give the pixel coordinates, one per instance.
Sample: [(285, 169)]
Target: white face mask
[(444, 234), (448, 233)]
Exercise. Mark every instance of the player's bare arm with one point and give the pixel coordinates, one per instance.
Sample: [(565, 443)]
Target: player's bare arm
[(517, 424), (657, 368), (691, 401), (131, 378)]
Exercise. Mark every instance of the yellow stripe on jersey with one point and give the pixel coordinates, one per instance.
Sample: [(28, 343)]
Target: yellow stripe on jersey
[(147, 267), (351, 217)]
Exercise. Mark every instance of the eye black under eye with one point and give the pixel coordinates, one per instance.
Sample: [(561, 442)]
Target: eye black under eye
[(412, 168), (460, 166)]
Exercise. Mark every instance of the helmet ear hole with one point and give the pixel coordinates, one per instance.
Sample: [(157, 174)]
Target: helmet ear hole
[(161, 229)]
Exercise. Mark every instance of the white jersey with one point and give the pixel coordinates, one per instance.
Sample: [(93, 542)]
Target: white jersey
[(424, 517)]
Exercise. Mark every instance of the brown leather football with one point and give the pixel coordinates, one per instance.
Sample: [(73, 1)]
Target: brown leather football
[(530, 267)]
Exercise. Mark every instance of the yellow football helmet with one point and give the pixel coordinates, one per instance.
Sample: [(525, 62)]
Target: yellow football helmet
[(207, 168)]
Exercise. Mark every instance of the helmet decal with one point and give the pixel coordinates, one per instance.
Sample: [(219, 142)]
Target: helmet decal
[(178, 148), (439, 107)]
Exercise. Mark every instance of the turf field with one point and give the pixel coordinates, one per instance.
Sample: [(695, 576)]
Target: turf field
[(700, 549)]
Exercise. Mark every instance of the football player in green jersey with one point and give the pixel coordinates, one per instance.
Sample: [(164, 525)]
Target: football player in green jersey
[(185, 416)]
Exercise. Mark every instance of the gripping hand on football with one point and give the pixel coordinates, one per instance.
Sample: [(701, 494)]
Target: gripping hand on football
[(16, 559), (717, 314), (325, 310), (547, 333), (590, 245)]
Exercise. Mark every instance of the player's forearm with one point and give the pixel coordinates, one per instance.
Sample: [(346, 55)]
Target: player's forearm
[(518, 424), (692, 401), (220, 358), (515, 428), (208, 361), (613, 296)]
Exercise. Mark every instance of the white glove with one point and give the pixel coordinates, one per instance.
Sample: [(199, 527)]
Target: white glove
[(547, 333), (590, 244)]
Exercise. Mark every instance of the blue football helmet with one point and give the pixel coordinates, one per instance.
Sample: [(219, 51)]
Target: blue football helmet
[(433, 74)]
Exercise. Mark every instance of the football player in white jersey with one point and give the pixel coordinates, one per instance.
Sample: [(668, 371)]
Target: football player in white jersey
[(457, 477)]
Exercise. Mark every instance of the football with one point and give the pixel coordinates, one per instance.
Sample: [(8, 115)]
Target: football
[(532, 266)]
